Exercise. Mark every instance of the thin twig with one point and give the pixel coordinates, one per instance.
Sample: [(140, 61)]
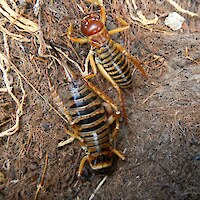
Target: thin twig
[(42, 179), (190, 58), (151, 95), (46, 101), (98, 188)]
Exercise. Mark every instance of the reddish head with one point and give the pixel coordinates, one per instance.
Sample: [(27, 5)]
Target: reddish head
[(91, 25)]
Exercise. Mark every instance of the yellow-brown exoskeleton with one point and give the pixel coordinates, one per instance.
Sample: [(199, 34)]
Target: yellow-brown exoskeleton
[(93, 120), (110, 57)]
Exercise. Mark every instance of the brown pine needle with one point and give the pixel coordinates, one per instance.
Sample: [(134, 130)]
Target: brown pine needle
[(42, 179), (188, 57)]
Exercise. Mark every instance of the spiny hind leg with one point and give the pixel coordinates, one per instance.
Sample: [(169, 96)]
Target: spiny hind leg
[(135, 61), (103, 17), (114, 84), (87, 76), (75, 134), (65, 142), (103, 96), (72, 135)]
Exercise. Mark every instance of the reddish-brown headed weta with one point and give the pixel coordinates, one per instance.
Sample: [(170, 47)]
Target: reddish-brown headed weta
[(93, 119), (110, 57)]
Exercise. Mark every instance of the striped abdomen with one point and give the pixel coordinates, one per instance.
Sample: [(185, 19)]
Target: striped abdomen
[(115, 63), (86, 109)]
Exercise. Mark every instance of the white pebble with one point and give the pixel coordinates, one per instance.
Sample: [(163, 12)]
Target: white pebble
[(174, 21)]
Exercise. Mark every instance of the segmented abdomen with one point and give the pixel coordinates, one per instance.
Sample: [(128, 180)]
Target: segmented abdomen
[(86, 109), (115, 63)]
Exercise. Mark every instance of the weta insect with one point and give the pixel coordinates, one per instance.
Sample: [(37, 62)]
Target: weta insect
[(110, 57), (88, 111)]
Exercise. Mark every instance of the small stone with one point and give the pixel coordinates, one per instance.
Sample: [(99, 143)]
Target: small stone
[(174, 21)]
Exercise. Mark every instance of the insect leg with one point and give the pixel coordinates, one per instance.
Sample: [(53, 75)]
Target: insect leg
[(73, 39), (80, 169), (75, 134), (103, 14), (109, 78), (135, 61), (119, 154), (68, 141), (115, 132), (102, 9), (90, 59), (119, 29), (103, 96)]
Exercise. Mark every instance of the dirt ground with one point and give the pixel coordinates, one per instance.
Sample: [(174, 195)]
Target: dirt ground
[(162, 140)]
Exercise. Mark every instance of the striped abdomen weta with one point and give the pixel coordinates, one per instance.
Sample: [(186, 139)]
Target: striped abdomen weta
[(110, 57), (93, 118)]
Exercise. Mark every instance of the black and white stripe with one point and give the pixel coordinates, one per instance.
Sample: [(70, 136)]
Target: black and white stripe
[(115, 63)]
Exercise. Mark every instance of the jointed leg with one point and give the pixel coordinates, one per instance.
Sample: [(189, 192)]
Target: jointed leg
[(90, 59), (102, 11), (135, 61), (93, 87), (68, 141), (73, 39), (103, 96), (103, 14), (58, 101), (119, 154), (75, 134), (119, 29), (114, 84), (114, 135), (80, 169)]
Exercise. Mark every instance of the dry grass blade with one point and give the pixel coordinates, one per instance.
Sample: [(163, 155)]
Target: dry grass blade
[(141, 18), (181, 9), (4, 69), (152, 94), (3, 90), (162, 140), (21, 22), (42, 179), (31, 85), (190, 58), (13, 36)]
